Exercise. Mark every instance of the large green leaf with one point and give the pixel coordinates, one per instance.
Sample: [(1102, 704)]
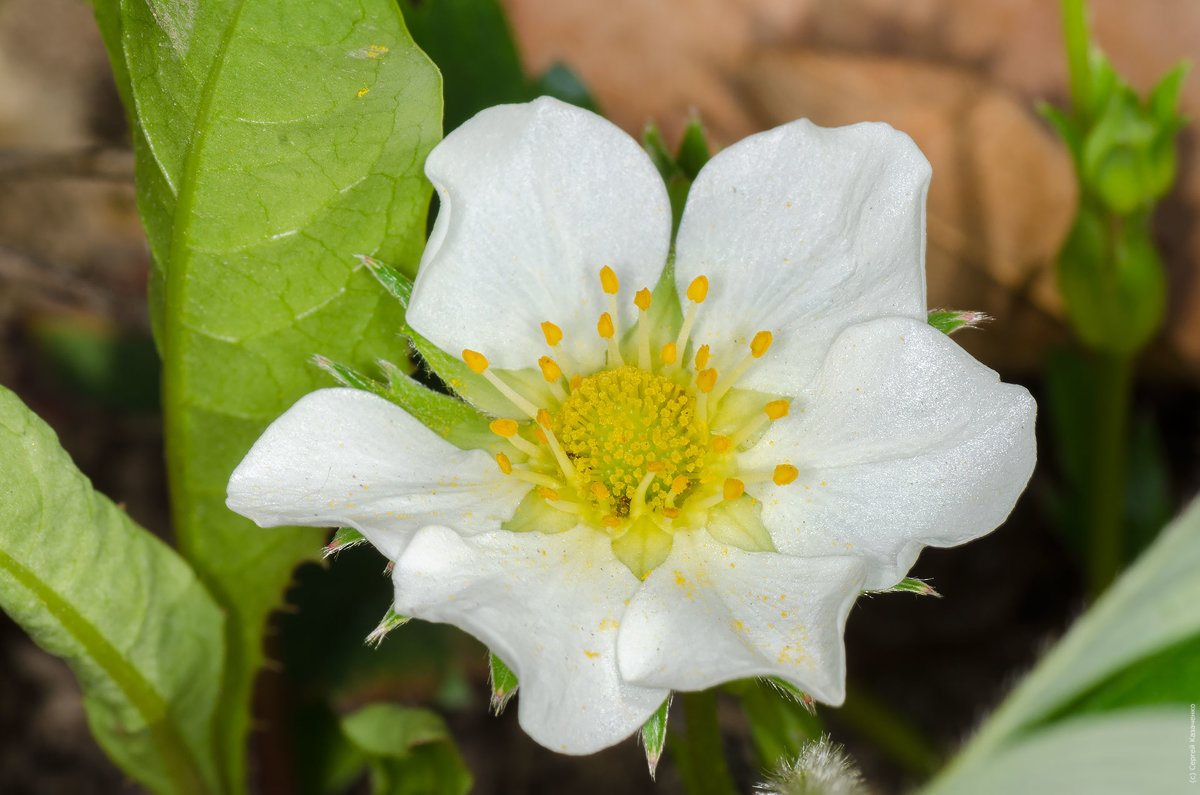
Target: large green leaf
[(274, 142), (1115, 657), (141, 633)]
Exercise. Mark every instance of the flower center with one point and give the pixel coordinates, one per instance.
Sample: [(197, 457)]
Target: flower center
[(617, 424), (641, 451)]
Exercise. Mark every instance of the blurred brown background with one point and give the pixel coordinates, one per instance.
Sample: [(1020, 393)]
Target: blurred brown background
[(961, 76)]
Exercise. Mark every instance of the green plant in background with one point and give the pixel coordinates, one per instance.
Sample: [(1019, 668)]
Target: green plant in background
[(1111, 279)]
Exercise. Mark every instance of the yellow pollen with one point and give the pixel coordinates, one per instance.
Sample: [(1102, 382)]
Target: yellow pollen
[(475, 360), (702, 357), (679, 484), (668, 353), (759, 345), (784, 474), (552, 333), (547, 493), (505, 464), (550, 369), (670, 513), (733, 489), (642, 299), (633, 432), (776, 409), (608, 281), (600, 491), (720, 444), (706, 380), (505, 428), (697, 291), (604, 326)]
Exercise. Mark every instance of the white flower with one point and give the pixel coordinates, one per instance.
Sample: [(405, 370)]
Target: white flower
[(674, 498)]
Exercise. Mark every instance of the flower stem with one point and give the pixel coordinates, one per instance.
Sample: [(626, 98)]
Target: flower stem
[(1105, 498), (699, 754), (889, 732)]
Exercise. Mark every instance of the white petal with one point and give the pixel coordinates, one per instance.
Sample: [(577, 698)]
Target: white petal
[(343, 457), (803, 230), (903, 441), (550, 607), (712, 613), (535, 200)]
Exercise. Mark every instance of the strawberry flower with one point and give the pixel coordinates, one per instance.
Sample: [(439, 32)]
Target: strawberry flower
[(696, 456)]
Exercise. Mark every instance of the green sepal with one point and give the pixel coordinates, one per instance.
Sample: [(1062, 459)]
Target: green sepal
[(949, 321), (349, 377), (642, 547), (781, 721), (910, 585), (693, 151), (677, 170), (396, 283), (738, 523), (534, 515), (391, 620), (654, 735), (448, 417), (503, 683), (344, 538)]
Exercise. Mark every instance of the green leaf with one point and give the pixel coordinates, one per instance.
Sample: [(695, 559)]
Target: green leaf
[(1150, 611), (1143, 750), (274, 141), (409, 750), (127, 614)]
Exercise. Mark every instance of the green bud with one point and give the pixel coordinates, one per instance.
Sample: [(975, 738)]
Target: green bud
[(1112, 281)]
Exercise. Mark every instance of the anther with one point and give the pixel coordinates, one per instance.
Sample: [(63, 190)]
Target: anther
[(668, 353), (720, 444), (552, 333), (505, 465), (508, 430), (706, 380), (608, 280), (697, 291), (642, 299), (733, 489), (760, 344), (550, 369), (475, 360), (610, 521), (670, 513), (702, 358), (679, 484), (784, 474), (776, 409), (608, 330), (604, 326), (599, 489), (547, 493)]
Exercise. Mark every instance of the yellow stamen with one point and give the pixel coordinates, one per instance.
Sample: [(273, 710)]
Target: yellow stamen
[(702, 358), (606, 329), (604, 326), (776, 409), (550, 369), (552, 333), (547, 493), (706, 380), (733, 489), (760, 344), (505, 428), (720, 444), (505, 464), (564, 463), (642, 299), (608, 281), (785, 474), (668, 353), (670, 513), (475, 360), (680, 484), (697, 291), (601, 492), (610, 521)]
